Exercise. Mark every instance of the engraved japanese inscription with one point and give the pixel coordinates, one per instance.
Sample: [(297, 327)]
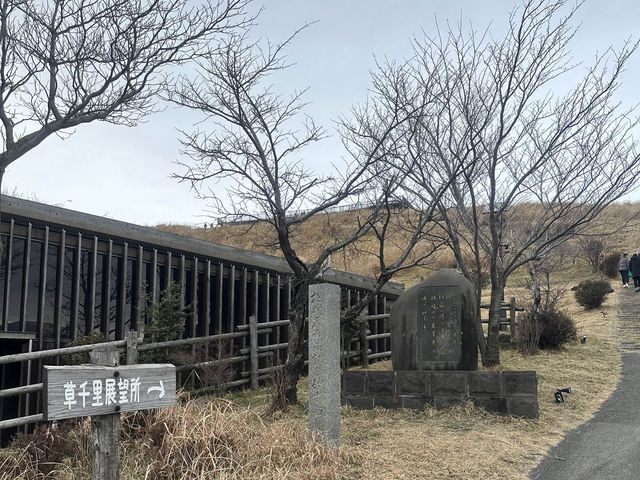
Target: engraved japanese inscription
[(439, 324)]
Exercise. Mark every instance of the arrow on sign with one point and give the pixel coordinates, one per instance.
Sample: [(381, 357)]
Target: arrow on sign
[(157, 389)]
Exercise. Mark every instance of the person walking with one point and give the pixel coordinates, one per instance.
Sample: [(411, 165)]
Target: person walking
[(634, 266), (623, 268)]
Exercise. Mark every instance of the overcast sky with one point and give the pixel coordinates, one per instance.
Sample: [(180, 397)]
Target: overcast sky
[(123, 173)]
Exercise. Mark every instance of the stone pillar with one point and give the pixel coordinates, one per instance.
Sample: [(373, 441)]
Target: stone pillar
[(324, 362)]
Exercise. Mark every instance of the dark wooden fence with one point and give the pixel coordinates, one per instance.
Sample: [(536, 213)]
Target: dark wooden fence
[(65, 274)]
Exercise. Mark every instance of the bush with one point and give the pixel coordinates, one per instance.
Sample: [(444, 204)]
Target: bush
[(550, 329), (529, 328), (165, 322), (558, 328), (609, 265), (83, 357), (591, 293)]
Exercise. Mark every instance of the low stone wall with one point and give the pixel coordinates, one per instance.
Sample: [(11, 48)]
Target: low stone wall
[(507, 392)]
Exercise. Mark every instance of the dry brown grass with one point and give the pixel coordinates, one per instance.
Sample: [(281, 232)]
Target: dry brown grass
[(310, 238), (193, 440)]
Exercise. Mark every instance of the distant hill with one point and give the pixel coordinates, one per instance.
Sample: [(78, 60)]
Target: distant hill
[(360, 258)]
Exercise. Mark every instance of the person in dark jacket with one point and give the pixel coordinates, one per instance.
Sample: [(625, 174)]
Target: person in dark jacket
[(634, 266), (623, 268)]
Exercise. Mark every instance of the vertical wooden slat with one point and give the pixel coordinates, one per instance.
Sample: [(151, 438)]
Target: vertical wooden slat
[(350, 340), (139, 290), (253, 354), (277, 317), (218, 299), (122, 293), (27, 397), (168, 274), (24, 367), (512, 318), (288, 298), (242, 314), (256, 304), (25, 280), (194, 297), (206, 304), (90, 316), (57, 315), (376, 324), (256, 291), (42, 288), (106, 286), (194, 307), (75, 294), (267, 296), (268, 338), (232, 296), (153, 285), (387, 325), (182, 280), (7, 279)]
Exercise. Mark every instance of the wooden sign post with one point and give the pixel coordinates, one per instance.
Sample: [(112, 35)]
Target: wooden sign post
[(102, 391)]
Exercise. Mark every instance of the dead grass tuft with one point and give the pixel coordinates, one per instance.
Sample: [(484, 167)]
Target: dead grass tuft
[(194, 440)]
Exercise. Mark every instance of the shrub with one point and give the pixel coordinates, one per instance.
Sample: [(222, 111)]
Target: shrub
[(591, 293), (83, 357), (166, 321), (549, 329), (528, 333), (557, 329), (609, 265)]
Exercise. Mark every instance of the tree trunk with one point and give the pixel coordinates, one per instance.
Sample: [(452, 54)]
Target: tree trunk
[(1, 177), (536, 295), (492, 356), (477, 282), (286, 383)]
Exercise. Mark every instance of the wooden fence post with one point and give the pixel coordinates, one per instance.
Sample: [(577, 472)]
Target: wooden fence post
[(132, 347), (364, 345), (105, 429), (512, 317), (253, 350)]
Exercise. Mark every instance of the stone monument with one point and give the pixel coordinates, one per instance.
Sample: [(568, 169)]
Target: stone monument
[(434, 355), (433, 325)]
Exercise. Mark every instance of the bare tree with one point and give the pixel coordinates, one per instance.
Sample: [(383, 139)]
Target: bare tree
[(64, 63), (254, 147), (593, 249), (538, 167), (406, 233)]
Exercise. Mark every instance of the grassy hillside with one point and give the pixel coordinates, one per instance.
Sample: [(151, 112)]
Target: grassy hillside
[(618, 227)]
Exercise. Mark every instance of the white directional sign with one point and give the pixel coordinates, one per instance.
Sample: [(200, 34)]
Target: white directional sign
[(86, 390)]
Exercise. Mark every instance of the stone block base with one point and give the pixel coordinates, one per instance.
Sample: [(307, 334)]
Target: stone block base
[(510, 393)]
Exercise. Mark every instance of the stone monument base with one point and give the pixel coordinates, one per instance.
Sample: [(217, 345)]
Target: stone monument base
[(507, 392)]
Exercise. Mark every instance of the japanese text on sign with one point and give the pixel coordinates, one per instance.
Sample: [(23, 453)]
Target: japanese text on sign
[(85, 390), (110, 391)]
